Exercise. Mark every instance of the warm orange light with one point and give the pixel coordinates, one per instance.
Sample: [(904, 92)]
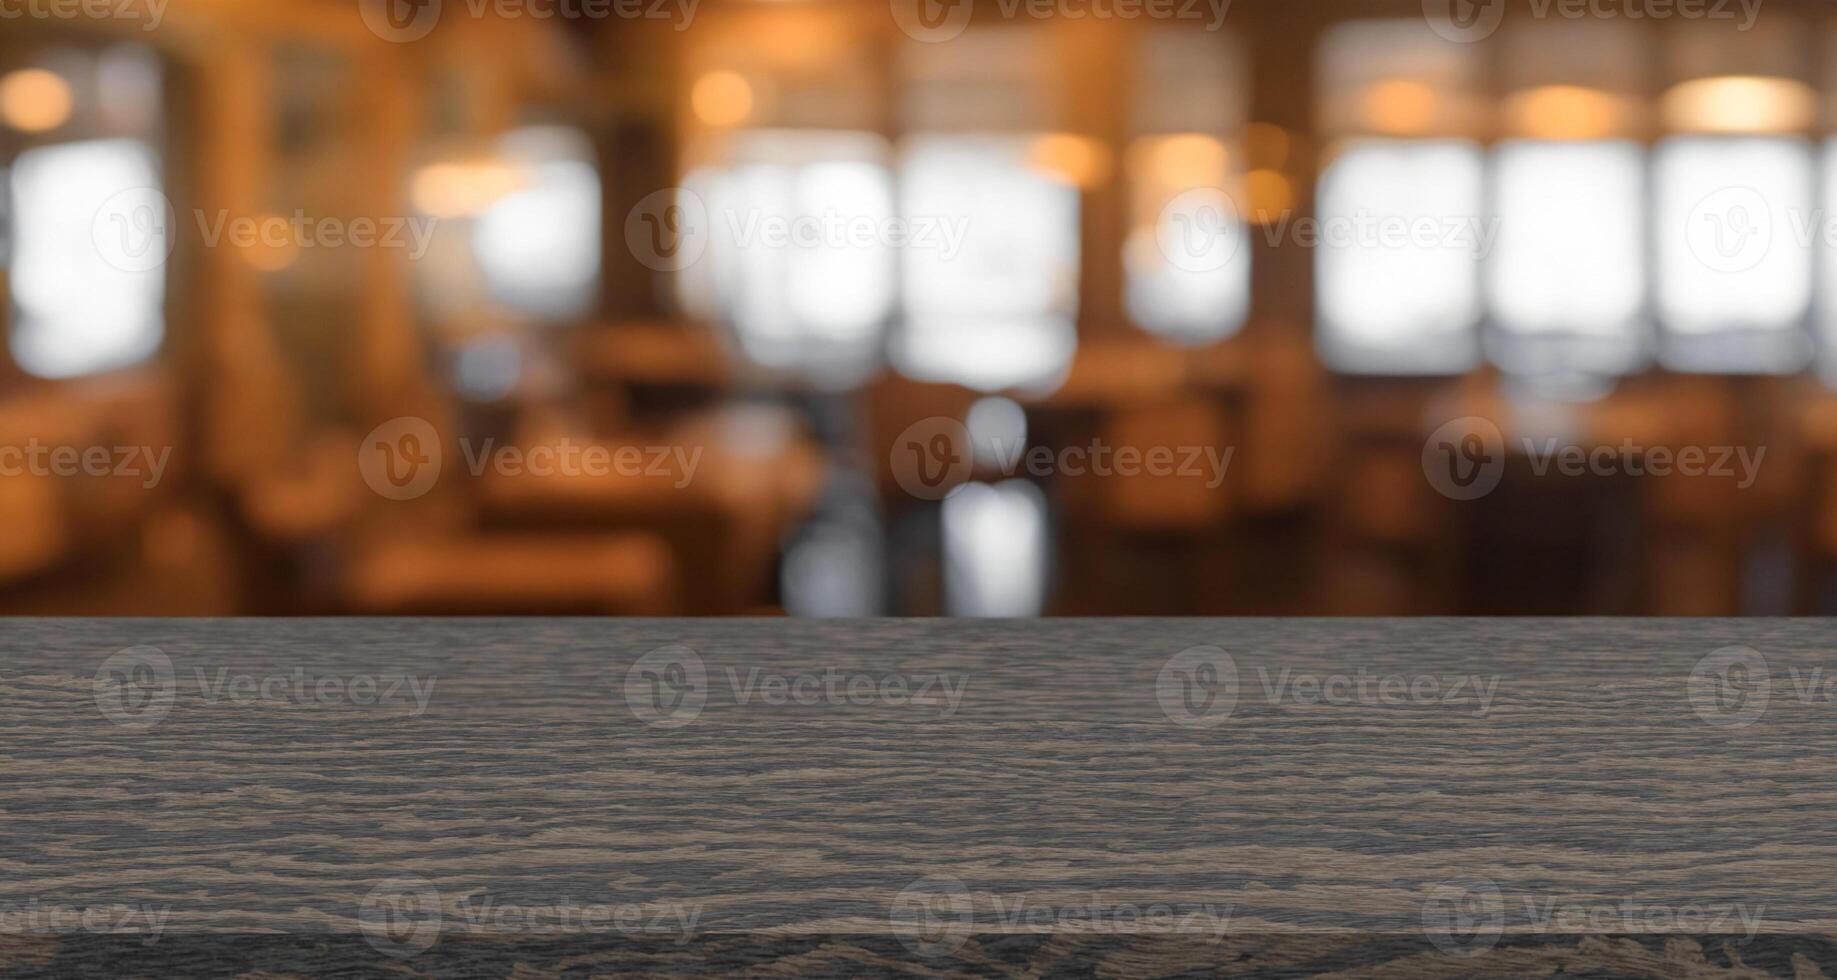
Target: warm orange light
[(722, 98), (1566, 112), (1271, 195), (1400, 107), (274, 247), (1740, 104), (34, 100), (461, 190), (1184, 161), (1076, 160)]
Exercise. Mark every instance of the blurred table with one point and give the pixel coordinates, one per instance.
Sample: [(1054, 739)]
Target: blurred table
[(1446, 797)]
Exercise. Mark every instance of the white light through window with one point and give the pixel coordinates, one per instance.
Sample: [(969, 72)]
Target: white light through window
[(991, 294), (1827, 271), (1568, 259), (800, 259), (1188, 256), (90, 237), (1730, 240), (1401, 231), (539, 246)]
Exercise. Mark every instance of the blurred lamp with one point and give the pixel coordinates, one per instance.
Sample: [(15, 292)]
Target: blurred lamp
[(34, 100)]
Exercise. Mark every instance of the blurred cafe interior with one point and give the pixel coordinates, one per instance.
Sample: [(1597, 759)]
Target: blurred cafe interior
[(942, 307)]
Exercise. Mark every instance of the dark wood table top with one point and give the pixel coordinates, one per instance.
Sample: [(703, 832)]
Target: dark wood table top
[(1126, 797)]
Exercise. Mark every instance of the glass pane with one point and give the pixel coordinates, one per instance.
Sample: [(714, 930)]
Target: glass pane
[(800, 259), (91, 235), (1398, 256), (538, 247), (991, 302), (1734, 264), (1569, 258), (1188, 253)]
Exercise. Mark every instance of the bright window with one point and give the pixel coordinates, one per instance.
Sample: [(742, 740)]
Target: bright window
[(801, 249), (991, 296), (539, 246), (1188, 252), (1733, 258), (90, 237), (1397, 259), (1568, 260)]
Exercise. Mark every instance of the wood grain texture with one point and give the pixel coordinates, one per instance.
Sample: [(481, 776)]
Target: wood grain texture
[(1427, 797)]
